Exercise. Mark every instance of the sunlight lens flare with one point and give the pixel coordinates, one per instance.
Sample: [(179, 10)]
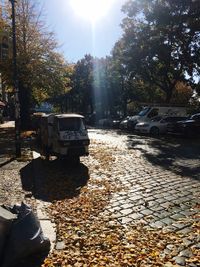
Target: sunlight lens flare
[(91, 10)]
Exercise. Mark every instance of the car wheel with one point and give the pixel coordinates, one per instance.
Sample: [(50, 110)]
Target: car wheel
[(154, 131)]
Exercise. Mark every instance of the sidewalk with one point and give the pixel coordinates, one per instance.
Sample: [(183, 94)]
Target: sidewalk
[(11, 191), (17, 179)]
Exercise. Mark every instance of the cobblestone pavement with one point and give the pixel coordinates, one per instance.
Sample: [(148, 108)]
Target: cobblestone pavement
[(161, 179), (11, 180)]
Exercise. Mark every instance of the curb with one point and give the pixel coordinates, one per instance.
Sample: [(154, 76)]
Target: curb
[(48, 227)]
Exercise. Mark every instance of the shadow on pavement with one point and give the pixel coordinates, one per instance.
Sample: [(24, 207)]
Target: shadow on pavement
[(178, 154), (53, 180)]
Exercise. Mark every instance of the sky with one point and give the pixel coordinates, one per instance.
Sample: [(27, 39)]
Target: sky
[(80, 33)]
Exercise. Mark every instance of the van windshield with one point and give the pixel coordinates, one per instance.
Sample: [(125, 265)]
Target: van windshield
[(71, 124), (144, 111)]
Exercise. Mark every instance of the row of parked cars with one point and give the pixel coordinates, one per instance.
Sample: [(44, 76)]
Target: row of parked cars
[(152, 121), (188, 126)]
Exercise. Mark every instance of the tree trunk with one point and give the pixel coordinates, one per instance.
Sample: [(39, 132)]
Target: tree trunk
[(24, 99)]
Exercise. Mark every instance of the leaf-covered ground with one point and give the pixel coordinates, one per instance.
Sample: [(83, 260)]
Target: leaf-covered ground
[(87, 235)]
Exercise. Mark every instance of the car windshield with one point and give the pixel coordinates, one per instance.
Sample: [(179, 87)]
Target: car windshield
[(144, 111), (71, 124)]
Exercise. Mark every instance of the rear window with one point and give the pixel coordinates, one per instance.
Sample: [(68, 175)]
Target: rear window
[(71, 124)]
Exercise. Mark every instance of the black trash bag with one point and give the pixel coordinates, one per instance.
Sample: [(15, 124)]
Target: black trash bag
[(6, 221), (26, 237)]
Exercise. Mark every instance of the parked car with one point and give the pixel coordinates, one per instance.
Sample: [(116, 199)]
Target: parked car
[(116, 123), (156, 126), (150, 112), (173, 127), (189, 127), (124, 123)]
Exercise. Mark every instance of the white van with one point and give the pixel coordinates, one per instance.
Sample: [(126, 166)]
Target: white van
[(148, 113)]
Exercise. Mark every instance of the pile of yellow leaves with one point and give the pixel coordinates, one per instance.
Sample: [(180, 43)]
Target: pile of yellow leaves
[(91, 237)]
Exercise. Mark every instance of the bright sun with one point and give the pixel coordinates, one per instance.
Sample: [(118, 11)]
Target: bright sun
[(92, 10)]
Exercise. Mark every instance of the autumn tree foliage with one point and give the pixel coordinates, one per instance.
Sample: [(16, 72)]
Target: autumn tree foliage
[(155, 60), (41, 69), (161, 42)]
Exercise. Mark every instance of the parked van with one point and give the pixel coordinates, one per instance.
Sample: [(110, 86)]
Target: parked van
[(63, 135), (150, 112)]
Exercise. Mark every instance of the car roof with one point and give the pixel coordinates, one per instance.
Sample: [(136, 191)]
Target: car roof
[(197, 114), (66, 115)]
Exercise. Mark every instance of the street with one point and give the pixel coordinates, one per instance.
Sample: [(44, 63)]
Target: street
[(129, 181), (161, 177), (134, 201)]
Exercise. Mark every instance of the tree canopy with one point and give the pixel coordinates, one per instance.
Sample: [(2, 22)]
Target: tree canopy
[(157, 59), (42, 70), (162, 42)]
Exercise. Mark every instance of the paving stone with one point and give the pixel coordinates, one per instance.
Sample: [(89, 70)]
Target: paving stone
[(160, 200), (127, 206), (187, 253), (170, 197), (136, 216), (126, 220), (162, 214), (60, 245), (187, 242), (146, 212), (157, 208), (177, 216), (166, 205), (126, 211), (117, 215), (179, 225), (167, 221), (180, 260), (167, 251), (187, 212), (184, 231), (135, 197), (170, 246), (157, 224)]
